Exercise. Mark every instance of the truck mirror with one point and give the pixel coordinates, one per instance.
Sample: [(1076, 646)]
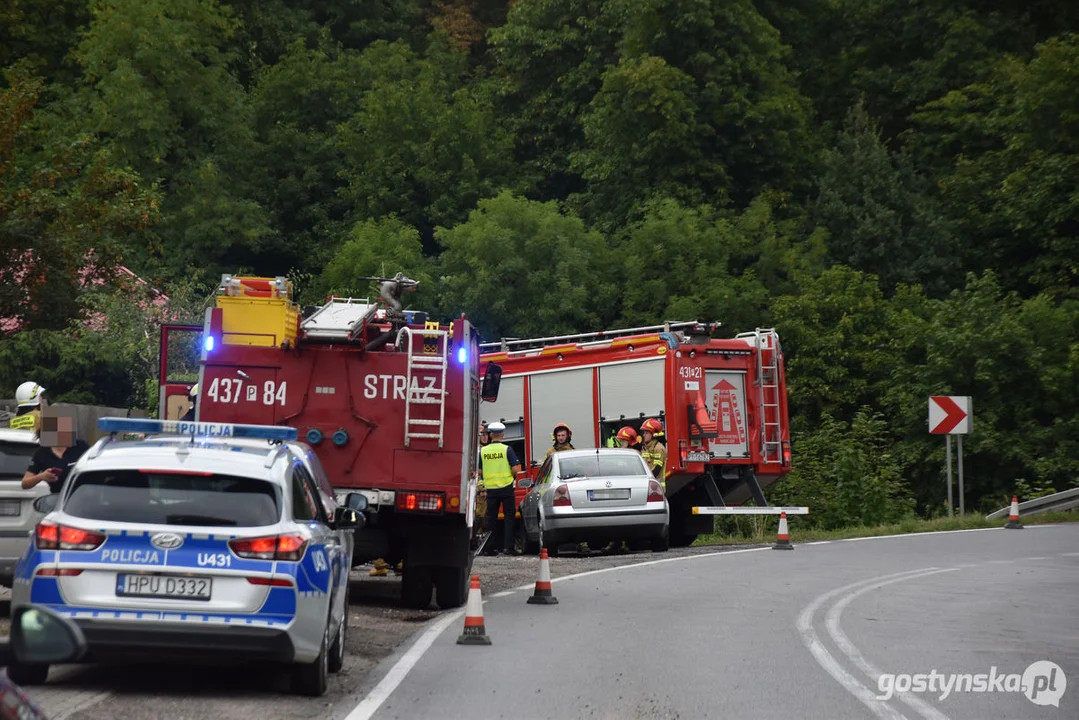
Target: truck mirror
[(492, 378)]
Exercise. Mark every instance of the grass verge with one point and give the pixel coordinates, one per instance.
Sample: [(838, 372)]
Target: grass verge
[(904, 527)]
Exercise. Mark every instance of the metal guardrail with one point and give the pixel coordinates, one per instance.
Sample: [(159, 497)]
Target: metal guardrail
[(1066, 500)]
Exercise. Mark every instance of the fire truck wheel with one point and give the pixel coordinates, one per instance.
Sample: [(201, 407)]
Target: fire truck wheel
[(416, 587), (663, 542), (451, 587), (682, 539)]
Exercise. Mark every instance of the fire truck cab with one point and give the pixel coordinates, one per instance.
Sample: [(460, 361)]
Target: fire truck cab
[(387, 399), (722, 402)]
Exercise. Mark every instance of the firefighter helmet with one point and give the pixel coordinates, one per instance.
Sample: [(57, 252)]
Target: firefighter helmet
[(562, 426), (29, 394), (653, 426), (193, 391), (628, 434)]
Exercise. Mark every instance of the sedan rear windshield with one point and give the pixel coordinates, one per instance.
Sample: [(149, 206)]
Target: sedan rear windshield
[(172, 499), (601, 466)]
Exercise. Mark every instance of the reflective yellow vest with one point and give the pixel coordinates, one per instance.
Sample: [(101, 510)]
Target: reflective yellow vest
[(559, 448), (497, 472), (29, 421), (655, 456)]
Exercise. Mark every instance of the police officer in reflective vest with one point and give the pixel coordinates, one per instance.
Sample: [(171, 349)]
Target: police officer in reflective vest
[(500, 467), (28, 414), (653, 451)]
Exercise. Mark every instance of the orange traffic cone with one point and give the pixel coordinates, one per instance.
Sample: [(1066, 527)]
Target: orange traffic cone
[(1013, 517), (542, 594), (474, 633), (783, 540)]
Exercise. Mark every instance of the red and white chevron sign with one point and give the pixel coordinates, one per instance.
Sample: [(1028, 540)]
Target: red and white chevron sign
[(950, 415)]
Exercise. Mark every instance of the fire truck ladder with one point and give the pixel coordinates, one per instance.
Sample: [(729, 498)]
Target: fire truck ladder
[(768, 384), (420, 428), (519, 345)]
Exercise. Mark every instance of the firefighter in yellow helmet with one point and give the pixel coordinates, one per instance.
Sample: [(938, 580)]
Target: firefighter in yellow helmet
[(653, 450), (29, 396), (563, 439)]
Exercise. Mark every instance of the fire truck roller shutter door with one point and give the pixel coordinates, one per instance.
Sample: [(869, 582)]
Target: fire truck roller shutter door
[(508, 409), (561, 396), (631, 389)]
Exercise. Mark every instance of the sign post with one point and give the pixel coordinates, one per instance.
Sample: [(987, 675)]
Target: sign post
[(952, 415)]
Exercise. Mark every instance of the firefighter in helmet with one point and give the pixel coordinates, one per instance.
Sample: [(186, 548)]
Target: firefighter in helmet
[(29, 396), (562, 437), (627, 437), (653, 450)]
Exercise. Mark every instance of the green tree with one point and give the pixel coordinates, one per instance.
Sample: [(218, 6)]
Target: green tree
[(521, 268), (163, 96), (381, 248), (1012, 187), (676, 266), (66, 209), (882, 217), (424, 144)]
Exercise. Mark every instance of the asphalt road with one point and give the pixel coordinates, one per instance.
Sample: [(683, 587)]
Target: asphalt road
[(767, 634)]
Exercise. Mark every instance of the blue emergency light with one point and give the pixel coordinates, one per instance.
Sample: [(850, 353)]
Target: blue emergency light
[(208, 343), (462, 355), (196, 429)]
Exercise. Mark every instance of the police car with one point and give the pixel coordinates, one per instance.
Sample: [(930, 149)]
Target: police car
[(203, 542)]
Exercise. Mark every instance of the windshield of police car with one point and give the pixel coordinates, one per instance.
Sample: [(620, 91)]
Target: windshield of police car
[(149, 497), (601, 465)]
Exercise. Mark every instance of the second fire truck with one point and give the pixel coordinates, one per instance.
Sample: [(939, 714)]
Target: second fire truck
[(722, 402)]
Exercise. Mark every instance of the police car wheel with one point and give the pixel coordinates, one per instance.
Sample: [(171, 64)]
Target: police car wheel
[(22, 674), (336, 660), (311, 679)]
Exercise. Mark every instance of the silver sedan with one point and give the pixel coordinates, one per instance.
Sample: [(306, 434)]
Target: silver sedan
[(594, 496)]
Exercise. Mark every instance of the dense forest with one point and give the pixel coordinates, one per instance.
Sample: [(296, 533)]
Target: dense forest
[(892, 184)]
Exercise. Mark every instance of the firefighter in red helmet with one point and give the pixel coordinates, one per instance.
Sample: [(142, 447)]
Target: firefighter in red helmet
[(653, 450), (627, 437), (562, 437)]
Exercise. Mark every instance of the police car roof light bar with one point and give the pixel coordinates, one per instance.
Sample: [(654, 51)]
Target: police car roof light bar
[(196, 429)]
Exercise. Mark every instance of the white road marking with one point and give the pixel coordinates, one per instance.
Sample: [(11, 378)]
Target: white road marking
[(825, 659), (504, 593), (819, 542), (370, 704), (920, 534), (835, 630)]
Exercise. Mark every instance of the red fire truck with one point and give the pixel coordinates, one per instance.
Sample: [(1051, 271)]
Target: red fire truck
[(388, 400), (722, 402)]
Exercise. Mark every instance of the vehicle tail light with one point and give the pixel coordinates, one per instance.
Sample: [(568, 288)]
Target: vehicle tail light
[(683, 453), (787, 454), (272, 582), (655, 491), (561, 496), (48, 536), (58, 572), (272, 547), (419, 501)]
